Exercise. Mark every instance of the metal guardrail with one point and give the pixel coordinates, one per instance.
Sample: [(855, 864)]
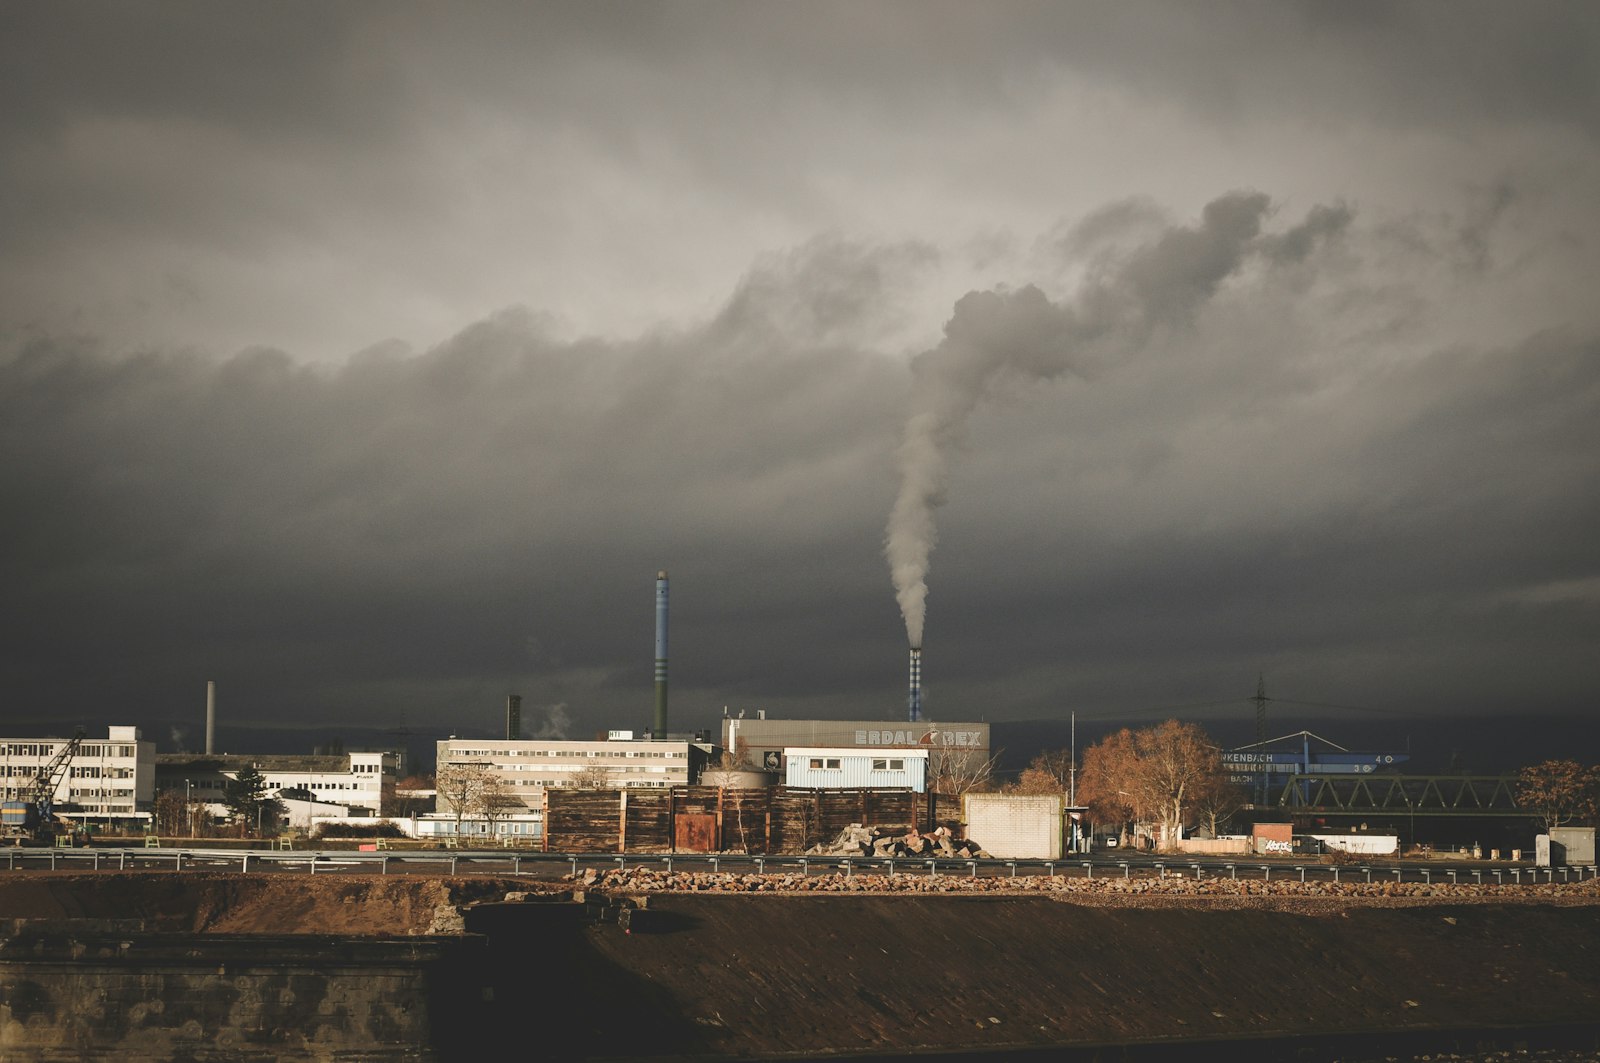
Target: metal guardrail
[(518, 862)]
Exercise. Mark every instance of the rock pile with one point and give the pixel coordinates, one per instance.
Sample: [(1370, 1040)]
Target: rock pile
[(859, 840), (644, 879)]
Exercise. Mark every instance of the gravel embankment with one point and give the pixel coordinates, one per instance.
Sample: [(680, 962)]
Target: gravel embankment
[(1109, 890)]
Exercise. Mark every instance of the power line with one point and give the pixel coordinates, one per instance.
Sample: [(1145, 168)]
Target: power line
[(1348, 708)]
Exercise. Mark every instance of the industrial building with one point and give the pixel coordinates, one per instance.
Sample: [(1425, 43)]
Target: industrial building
[(106, 781), (525, 769), (355, 784), (761, 742)]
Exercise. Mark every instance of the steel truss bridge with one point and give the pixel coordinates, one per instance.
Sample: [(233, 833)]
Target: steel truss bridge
[(1385, 794)]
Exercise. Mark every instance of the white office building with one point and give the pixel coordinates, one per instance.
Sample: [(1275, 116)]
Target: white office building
[(351, 784), (106, 780)]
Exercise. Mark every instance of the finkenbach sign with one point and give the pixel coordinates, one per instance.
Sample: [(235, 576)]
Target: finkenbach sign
[(962, 739)]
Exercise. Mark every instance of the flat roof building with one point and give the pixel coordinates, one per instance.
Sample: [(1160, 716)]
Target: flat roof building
[(761, 741), (106, 779), (361, 783), (525, 769)]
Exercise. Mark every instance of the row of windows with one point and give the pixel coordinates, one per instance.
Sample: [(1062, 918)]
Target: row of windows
[(878, 764), (49, 749), (523, 754), (108, 751)]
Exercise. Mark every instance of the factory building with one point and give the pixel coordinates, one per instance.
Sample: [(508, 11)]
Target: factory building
[(525, 769), (762, 742), (107, 780), (345, 784)]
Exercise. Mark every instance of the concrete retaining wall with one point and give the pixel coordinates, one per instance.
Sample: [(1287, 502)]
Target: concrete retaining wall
[(96, 991)]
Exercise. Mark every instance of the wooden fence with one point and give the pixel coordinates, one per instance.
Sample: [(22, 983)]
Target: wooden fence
[(720, 819)]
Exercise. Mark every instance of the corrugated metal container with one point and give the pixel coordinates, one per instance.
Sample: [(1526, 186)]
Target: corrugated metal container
[(836, 768), (1016, 826)]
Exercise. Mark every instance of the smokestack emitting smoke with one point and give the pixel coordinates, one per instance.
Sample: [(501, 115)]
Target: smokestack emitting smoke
[(914, 699), (1022, 334), (660, 728), (211, 717)]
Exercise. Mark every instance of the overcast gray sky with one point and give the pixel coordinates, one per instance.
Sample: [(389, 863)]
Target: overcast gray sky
[(370, 358)]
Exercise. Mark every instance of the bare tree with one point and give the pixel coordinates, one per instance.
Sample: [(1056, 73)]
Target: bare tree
[(736, 799), (459, 784), (737, 758), (495, 801), (1177, 763), (172, 813), (1217, 801), (958, 770), (593, 777)]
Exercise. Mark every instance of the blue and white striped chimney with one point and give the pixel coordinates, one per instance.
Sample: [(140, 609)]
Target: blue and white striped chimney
[(914, 699)]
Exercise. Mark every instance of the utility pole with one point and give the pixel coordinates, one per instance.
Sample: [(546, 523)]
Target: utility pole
[(1072, 770), (1261, 737), (1072, 781)]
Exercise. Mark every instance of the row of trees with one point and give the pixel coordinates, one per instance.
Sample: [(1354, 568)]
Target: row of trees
[(1170, 775), (475, 791)]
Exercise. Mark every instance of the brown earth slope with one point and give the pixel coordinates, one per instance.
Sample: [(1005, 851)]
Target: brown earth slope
[(773, 973), (808, 973), (203, 903)]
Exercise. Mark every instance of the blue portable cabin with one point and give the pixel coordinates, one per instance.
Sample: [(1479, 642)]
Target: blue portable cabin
[(853, 768)]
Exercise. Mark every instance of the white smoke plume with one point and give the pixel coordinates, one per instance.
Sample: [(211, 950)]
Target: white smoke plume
[(555, 721), (1023, 334)]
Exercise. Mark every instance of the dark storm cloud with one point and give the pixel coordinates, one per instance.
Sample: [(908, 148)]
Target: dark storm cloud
[(413, 517), (1342, 435), (411, 535), (204, 175)]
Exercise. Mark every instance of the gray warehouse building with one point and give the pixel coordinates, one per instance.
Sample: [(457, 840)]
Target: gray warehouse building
[(763, 740)]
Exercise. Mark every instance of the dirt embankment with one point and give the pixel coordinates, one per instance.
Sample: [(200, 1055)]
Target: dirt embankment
[(201, 903), (721, 967)]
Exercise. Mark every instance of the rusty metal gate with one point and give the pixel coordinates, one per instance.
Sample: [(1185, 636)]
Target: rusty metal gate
[(695, 832)]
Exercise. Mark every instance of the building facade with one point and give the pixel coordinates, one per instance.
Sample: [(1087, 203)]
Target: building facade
[(359, 784), (107, 780), (761, 742), (524, 769)]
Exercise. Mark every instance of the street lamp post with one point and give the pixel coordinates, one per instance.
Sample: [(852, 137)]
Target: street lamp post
[(188, 805)]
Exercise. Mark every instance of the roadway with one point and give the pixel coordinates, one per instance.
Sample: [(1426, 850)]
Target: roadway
[(543, 865)]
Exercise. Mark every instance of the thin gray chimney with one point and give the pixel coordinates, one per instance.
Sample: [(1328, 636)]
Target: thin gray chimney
[(211, 716)]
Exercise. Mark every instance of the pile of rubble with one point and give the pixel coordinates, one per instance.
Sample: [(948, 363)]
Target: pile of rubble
[(859, 840), (643, 879)]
